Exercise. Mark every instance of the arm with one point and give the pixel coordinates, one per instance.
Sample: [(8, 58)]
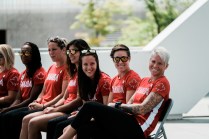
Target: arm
[(61, 101), (110, 98), (35, 91), (56, 99), (9, 98), (105, 99), (129, 94), (76, 103), (146, 106)]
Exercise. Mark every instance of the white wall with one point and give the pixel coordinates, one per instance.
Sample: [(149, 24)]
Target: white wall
[(187, 39)]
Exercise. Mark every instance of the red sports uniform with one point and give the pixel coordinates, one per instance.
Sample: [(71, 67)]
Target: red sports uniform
[(119, 86), (53, 82), (27, 83), (103, 88), (160, 86), (9, 81), (72, 89)]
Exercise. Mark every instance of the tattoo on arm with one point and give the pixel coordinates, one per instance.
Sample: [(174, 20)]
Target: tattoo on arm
[(146, 106)]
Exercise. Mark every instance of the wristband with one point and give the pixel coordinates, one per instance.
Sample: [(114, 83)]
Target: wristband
[(117, 104)]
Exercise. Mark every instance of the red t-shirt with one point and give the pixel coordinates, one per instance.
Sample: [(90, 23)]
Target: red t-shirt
[(103, 87), (27, 83), (9, 81), (53, 82), (72, 89), (160, 86), (119, 86)]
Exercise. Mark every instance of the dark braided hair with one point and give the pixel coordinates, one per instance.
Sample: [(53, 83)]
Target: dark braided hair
[(35, 59)]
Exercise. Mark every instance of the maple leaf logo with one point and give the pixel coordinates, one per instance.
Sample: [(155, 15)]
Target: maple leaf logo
[(160, 87), (133, 83), (40, 76), (14, 81), (106, 85)]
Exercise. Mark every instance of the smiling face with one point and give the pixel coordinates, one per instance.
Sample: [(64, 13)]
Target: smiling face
[(157, 66), (89, 65), (74, 54), (121, 66)]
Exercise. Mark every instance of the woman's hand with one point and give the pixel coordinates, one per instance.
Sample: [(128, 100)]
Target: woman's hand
[(111, 104), (49, 110), (35, 106)]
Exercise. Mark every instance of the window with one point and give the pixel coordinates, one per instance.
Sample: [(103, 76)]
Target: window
[(2, 36)]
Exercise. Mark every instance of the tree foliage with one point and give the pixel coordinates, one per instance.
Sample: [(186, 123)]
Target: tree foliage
[(98, 17), (160, 13)]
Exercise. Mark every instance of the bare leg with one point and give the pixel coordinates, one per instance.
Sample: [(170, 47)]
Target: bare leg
[(25, 121), (39, 123), (68, 133)]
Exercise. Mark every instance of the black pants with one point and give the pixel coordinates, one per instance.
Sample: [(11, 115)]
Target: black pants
[(55, 126), (11, 122), (53, 131), (109, 121)]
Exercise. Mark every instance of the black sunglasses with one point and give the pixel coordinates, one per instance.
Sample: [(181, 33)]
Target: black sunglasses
[(72, 51), (25, 53), (123, 59)]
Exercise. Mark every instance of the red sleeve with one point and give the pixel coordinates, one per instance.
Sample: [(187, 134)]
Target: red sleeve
[(104, 85), (13, 80), (162, 87), (132, 81)]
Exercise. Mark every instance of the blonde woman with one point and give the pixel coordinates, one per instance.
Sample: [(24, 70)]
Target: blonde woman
[(8, 76)]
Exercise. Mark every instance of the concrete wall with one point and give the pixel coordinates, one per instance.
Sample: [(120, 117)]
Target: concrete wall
[(36, 21)]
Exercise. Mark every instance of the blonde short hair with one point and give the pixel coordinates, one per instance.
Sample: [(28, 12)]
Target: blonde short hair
[(7, 52)]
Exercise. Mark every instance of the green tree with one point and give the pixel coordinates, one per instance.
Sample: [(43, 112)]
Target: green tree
[(99, 18), (160, 13)]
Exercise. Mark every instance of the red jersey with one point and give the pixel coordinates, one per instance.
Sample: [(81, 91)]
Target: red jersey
[(103, 87), (9, 81), (72, 89), (119, 86), (53, 82), (26, 83), (160, 86)]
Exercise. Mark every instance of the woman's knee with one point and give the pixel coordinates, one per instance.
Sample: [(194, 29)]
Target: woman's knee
[(26, 119), (33, 123)]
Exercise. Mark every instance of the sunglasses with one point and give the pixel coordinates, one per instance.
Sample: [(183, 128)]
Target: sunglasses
[(24, 53), (88, 51), (123, 59), (72, 51), (1, 55)]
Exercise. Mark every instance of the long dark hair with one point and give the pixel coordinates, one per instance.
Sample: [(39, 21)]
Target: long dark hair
[(87, 86), (80, 45), (35, 59)]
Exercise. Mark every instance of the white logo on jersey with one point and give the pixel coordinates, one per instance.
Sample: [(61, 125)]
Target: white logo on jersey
[(117, 89), (26, 84), (1, 82), (52, 77), (143, 90), (72, 83)]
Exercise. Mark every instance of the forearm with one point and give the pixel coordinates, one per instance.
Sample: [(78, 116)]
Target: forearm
[(131, 108), (73, 105)]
